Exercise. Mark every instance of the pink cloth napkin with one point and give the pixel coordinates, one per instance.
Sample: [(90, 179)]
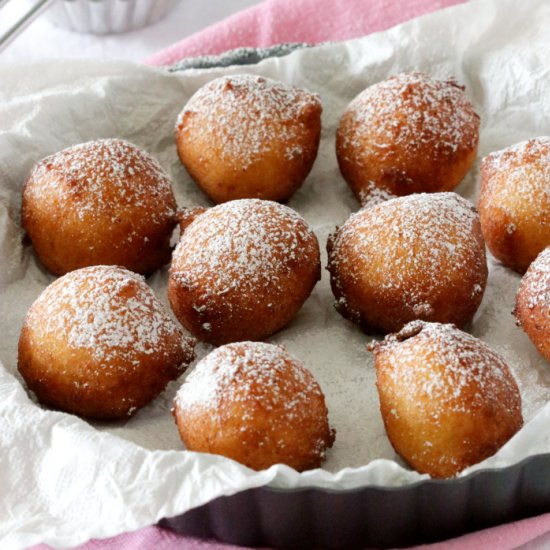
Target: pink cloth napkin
[(312, 21), (274, 22), (505, 537)]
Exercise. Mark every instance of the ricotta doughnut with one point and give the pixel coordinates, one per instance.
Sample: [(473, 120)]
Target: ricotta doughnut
[(100, 202), (242, 270), (514, 202), (254, 403), (447, 400), (246, 136), (415, 257), (533, 303), (99, 344), (407, 134)]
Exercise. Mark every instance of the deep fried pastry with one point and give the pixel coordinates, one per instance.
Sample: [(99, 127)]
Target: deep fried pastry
[(448, 401), (415, 257), (533, 303), (104, 202), (514, 202), (407, 134), (254, 403), (98, 343), (242, 270), (246, 136)]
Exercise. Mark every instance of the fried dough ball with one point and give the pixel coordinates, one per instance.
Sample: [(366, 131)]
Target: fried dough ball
[(514, 202), (101, 202), (242, 270), (415, 257), (254, 403), (246, 136), (99, 344), (407, 134), (533, 303), (447, 400)]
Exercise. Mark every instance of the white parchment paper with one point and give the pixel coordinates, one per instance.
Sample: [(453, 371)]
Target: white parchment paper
[(64, 481)]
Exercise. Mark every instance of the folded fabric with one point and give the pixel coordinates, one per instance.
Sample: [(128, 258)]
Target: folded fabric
[(312, 21), (505, 537)]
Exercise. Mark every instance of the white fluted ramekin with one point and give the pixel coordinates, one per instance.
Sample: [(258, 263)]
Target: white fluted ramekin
[(108, 16)]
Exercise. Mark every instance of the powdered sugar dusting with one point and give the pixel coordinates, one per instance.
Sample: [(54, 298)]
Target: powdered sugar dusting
[(333, 349), (242, 245), (423, 232), (247, 372), (372, 194), (412, 109), (461, 374), (520, 153), (537, 282), (104, 177), (240, 112), (522, 170), (108, 311)]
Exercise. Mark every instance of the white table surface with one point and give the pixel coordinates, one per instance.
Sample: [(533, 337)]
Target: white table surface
[(42, 40)]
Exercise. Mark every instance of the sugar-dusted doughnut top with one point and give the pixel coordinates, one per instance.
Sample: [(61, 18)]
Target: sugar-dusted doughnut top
[(256, 371), (102, 178), (514, 202), (104, 202), (243, 246), (447, 399), (240, 112), (242, 270), (108, 312), (536, 284), (415, 257), (257, 404), (440, 220), (526, 164), (450, 369), (412, 110), (533, 303), (98, 343), (522, 170)]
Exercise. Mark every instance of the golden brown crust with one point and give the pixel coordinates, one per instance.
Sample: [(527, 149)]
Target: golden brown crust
[(245, 136), (186, 216), (99, 344), (415, 257), (447, 400), (514, 202), (256, 404), (242, 270), (102, 202), (407, 134), (533, 303)]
